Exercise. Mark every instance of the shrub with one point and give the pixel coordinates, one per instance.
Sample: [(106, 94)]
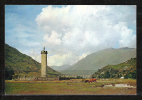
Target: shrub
[(131, 75)]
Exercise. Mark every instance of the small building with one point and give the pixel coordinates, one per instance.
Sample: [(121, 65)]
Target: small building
[(122, 77)]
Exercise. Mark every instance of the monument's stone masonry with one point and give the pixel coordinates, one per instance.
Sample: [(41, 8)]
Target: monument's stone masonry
[(43, 63)]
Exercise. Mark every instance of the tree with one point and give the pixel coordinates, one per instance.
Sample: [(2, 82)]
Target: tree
[(79, 77), (112, 76), (8, 74), (131, 75), (134, 74), (107, 74)]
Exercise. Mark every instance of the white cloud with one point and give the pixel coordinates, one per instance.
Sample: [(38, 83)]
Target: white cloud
[(34, 55), (71, 32), (68, 58), (53, 39)]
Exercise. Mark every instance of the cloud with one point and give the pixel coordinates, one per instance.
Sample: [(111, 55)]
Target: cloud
[(73, 31), (67, 58), (128, 39), (34, 55), (53, 39)]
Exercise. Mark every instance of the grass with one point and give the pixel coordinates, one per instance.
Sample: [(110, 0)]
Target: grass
[(67, 87), (119, 81)]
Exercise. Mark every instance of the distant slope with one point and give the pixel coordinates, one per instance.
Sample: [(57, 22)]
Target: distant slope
[(126, 69), (97, 60), (60, 68), (18, 64)]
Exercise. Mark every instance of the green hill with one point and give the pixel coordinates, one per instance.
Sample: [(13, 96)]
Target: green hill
[(126, 69), (97, 60), (18, 64)]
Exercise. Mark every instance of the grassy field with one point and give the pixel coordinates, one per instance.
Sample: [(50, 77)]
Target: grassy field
[(69, 87)]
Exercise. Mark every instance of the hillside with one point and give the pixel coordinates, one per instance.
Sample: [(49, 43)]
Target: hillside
[(126, 69), (97, 60), (18, 64)]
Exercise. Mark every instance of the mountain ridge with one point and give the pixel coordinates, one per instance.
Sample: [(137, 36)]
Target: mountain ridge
[(99, 59), (60, 68)]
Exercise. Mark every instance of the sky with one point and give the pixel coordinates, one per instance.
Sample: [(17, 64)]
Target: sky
[(69, 32)]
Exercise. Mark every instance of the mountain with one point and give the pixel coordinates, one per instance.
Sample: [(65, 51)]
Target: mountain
[(98, 60), (60, 68), (18, 64), (126, 69)]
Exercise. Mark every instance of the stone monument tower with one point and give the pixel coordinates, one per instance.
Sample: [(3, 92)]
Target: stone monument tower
[(43, 62)]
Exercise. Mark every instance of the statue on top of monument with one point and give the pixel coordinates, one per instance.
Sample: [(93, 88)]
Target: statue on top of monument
[(44, 48)]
